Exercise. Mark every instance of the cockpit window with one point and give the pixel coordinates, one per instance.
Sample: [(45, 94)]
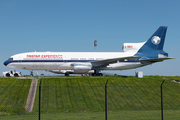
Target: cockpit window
[(10, 59)]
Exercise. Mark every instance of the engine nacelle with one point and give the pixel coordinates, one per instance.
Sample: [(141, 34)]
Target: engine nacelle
[(81, 68), (132, 46)]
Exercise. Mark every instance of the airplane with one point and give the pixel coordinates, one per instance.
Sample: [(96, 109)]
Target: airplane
[(135, 55)]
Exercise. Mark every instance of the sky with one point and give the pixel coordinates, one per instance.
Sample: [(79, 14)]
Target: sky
[(73, 25)]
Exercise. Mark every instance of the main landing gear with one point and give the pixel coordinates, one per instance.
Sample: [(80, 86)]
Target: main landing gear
[(96, 73), (66, 74)]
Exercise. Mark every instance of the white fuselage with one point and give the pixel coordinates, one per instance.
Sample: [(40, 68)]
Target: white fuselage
[(66, 60)]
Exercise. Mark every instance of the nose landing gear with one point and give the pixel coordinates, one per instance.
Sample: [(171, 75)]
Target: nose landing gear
[(31, 73)]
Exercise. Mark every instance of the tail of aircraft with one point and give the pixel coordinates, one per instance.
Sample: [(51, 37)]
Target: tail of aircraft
[(153, 48)]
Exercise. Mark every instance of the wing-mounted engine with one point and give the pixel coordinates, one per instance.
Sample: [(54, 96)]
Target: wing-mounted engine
[(81, 68), (132, 46)]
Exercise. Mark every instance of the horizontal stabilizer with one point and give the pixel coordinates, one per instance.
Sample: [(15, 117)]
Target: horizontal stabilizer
[(155, 59), (112, 60)]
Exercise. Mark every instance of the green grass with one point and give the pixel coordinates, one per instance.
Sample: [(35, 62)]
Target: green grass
[(83, 98), (79, 94), (118, 115), (13, 95)]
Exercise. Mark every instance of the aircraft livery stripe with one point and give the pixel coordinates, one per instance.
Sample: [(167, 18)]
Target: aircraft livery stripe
[(17, 61)]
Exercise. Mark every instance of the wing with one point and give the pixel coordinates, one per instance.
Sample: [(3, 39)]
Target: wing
[(106, 62)]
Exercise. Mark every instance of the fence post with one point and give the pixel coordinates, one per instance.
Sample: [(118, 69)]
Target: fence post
[(162, 101), (106, 100), (40, 100)]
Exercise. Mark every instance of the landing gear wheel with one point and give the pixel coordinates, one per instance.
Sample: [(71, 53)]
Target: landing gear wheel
[(31, 74), (16, 75), (97, 74), (66, 74), (100, 74)]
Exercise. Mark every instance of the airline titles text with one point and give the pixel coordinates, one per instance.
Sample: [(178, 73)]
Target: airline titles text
[(44, 56)]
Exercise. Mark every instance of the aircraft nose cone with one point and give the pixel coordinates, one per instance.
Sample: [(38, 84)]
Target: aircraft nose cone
[(6, 62)]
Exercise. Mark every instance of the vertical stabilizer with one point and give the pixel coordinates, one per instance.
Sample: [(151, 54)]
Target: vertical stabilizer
[(154, 45)]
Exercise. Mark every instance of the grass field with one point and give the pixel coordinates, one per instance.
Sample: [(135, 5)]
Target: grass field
[(118, 115), (13, 95), (83, 98)]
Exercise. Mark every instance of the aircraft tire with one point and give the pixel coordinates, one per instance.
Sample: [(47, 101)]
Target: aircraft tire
[(8, 75), (97, 74), (93, 74), (66, 74), (16, 75)]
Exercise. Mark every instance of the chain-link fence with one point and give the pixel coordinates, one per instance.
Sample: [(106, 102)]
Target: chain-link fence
[(88, 102)]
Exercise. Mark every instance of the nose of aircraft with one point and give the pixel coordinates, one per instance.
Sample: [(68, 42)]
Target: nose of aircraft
[(6, 62)]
